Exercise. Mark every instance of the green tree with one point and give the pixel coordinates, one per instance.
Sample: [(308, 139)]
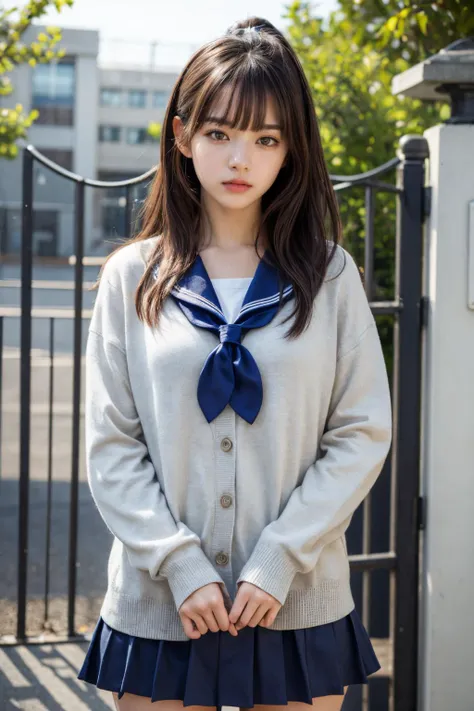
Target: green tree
[(411, 28), (14, 22), (350, 61)]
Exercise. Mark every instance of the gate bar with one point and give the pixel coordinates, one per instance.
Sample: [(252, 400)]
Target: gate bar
[(25, 388), (76, 404), (407, 407)]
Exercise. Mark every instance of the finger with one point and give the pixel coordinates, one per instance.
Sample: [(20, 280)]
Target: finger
[(189, 629), (238, 606), (258, 615), (249, 610), (233, 630), (269, 618), (200, 623), (221, 616), (211, 621)]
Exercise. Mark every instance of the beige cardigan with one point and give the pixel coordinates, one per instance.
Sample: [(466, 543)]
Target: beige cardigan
[(191, 502)]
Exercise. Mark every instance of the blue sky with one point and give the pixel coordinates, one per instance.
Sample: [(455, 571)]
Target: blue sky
[(127, 27)]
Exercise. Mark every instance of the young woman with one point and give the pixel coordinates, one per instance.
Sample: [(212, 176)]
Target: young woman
[(237, 405)]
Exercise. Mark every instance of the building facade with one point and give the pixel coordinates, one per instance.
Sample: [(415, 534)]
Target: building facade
[(93, 120)]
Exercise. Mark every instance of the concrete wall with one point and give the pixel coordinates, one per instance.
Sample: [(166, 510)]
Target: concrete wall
[(447, 581), (120, 156)]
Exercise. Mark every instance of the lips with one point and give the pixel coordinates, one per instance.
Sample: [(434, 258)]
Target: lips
[(237, 182)]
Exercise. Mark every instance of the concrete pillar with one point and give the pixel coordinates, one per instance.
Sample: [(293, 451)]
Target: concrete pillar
[(446, 590), (446, 678)]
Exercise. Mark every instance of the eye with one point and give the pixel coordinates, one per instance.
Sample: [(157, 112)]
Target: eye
[(263, 138), (209, 133), (269, 138)]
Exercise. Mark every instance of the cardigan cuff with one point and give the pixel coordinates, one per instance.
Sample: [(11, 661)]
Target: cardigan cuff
[(270, 569), (187, 570)]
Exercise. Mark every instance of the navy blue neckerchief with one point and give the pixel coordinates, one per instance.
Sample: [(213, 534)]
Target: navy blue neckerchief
[(230, 374)]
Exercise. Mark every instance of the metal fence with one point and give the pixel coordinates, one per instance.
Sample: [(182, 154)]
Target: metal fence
[(398, 649)]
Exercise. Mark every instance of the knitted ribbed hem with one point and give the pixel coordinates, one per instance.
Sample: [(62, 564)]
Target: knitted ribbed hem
[(327, 601), (187, 570), (271, 569)]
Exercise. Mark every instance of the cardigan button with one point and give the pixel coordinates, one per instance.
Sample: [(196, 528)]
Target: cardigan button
[(226, 501), (222, 558), (226, 444)]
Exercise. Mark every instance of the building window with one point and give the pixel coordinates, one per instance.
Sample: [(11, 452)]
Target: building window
[(60, 156), (111, 97), (45, 233), (109, 134), (159, 99), (53, 92), (136, 136), (137, 98), (112, 204)]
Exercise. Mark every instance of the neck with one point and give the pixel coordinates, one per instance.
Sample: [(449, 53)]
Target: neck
[(228, 229)]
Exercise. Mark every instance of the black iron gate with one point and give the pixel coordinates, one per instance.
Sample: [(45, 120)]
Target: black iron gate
[(399, 559)]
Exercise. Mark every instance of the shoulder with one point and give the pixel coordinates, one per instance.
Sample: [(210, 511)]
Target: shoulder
[(345, 297), (125, 267), (342, 268)]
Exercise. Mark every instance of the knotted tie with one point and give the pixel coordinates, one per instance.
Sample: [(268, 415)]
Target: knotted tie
[(230, 374)]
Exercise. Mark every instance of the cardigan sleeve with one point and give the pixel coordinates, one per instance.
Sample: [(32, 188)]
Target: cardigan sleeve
[(120, 473), (353, 448)]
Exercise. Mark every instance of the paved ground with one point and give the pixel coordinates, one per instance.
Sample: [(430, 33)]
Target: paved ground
[(43, 678)]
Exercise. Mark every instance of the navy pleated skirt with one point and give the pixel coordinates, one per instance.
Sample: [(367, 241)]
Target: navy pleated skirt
[(260, 666)]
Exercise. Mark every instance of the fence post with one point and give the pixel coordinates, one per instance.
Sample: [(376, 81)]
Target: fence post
[(447, 582), (25, 387), (406, 405)]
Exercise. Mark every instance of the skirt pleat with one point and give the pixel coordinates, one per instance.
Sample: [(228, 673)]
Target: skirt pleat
[(260, 666)]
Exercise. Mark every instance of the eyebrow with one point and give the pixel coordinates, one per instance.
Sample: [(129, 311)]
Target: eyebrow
[(224, 122)]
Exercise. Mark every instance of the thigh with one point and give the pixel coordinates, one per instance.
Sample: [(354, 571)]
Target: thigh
[(131, 702), (322, 703)]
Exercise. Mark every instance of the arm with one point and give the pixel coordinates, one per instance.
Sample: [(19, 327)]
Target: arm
[(121, 475), (354, 447)]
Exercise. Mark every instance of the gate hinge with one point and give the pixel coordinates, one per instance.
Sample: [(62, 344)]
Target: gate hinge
[(424, 311), (427, 193), (421, 513)]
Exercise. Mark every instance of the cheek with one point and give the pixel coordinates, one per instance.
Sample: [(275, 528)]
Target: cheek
[(204, 160), (273, 167)]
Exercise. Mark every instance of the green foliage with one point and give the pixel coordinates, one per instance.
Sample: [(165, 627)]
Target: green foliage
[(14, 52), (350, 61), (411, 28), (154, 129)]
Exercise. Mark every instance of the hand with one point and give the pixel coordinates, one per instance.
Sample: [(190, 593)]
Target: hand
[(204, 610), (253, 606)]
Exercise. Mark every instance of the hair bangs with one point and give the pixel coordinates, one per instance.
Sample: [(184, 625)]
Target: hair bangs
[(247, 91)]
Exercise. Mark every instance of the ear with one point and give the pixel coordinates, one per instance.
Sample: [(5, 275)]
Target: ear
[(178, 127)]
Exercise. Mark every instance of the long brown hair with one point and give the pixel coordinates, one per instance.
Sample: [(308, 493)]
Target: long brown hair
[(299, 211)]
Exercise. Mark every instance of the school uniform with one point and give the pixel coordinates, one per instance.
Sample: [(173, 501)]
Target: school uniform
[(219, 451)]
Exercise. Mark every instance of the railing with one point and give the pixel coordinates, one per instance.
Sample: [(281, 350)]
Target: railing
[(406, 308)]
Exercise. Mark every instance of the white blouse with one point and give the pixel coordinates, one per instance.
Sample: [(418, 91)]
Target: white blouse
[(231, 293)]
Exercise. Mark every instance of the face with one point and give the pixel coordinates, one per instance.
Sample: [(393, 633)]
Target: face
[(222, 154)]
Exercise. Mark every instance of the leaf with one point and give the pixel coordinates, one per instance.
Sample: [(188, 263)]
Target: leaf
[(392, 23), (422, 21)]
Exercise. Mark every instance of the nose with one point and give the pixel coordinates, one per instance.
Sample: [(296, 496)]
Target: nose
[(239, 156)]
